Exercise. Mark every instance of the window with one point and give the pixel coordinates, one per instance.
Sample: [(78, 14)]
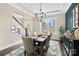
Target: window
[(49, 25)]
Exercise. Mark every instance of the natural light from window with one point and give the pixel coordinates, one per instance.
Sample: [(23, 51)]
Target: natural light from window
[(49, 25)]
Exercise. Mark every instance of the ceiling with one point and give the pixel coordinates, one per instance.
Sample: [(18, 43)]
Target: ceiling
[(46, 7), (32, 8)]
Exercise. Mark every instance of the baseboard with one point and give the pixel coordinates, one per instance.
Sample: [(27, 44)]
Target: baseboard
[(2, 48)]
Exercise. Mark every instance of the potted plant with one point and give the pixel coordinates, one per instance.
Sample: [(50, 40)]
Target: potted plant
[(61, 32)]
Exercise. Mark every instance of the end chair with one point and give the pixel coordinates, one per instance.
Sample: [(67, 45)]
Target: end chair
[(29, 46)]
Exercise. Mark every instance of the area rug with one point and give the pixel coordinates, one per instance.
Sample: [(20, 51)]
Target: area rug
[(53, 50)]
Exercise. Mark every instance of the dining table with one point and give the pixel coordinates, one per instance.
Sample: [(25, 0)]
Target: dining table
[(40, 42)]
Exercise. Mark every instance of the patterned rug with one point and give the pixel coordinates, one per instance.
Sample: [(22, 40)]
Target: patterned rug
[(53, 50)]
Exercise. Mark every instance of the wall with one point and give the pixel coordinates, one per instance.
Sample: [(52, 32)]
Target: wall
[(69, 21), (36, 26), (29, 24), (7, 38), (69, 17), (32, 25)]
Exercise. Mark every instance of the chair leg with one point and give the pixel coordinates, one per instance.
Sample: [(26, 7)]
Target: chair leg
[(24, 53)]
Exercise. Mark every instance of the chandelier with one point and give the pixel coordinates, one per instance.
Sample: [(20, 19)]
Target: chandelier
[(40, 16)]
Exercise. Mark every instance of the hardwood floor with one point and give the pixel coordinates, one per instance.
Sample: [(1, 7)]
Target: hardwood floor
[(8, 50)]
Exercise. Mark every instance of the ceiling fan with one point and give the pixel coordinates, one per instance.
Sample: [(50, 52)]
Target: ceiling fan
[(42, 14)]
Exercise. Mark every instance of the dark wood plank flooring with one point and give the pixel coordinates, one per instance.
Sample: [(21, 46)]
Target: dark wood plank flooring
[(8, 50)]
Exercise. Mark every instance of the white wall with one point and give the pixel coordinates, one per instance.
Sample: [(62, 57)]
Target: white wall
[(28, 23), (36, 26), (32, 25), (8, 38)]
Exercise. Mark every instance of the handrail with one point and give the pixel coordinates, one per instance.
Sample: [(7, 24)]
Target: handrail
[(18, 22)]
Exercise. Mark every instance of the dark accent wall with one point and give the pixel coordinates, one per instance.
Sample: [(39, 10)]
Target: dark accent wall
[(69, 17)]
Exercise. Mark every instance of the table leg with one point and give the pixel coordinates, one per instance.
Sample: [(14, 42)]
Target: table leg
[(41, 49)]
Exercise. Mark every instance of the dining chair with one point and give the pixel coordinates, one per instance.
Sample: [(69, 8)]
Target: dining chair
[(46, 44), (29, 48)]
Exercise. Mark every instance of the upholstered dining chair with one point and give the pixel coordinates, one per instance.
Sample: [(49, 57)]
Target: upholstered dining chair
[(29, 46), (46, 44)]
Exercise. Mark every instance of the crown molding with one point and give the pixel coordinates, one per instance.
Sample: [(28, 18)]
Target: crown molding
[(21, 8)]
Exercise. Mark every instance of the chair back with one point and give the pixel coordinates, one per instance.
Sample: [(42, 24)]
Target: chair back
[(28, 43), (46, 44)]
